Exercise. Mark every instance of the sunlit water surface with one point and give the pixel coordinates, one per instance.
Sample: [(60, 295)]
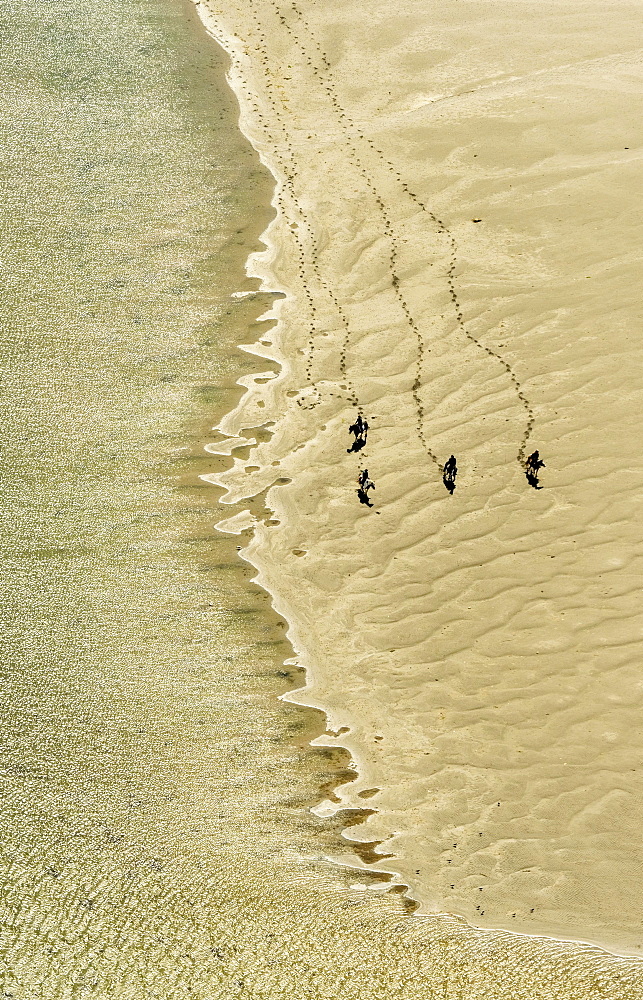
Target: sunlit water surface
[(156, 834)]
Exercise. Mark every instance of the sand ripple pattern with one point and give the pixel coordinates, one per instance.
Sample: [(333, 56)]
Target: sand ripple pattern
[(351, 129), (478, 654), (442, 228)]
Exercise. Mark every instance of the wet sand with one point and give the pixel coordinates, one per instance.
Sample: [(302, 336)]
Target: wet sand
[(457, 247)]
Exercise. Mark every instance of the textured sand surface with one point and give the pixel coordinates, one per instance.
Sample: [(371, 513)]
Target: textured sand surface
[(458, 241)]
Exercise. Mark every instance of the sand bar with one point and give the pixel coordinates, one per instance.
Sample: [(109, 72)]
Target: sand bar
[(456, 238)]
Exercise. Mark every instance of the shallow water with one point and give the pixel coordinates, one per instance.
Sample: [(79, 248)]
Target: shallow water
[(156, 834)]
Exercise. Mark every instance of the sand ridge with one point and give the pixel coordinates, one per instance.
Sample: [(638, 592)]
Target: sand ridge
[(455, 238)]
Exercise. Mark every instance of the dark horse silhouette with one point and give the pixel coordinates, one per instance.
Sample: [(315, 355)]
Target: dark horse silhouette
[(365, 484), (449, 472), (360, 430), (532, 467)]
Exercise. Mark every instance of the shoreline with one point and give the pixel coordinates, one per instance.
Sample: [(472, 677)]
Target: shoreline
[(241, 523), (259, 266), (157, 835)]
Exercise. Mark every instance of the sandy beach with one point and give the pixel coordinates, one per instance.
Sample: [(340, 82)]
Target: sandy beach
[(457, 252)]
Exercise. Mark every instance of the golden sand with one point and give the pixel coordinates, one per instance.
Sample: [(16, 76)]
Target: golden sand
[(456, 239)]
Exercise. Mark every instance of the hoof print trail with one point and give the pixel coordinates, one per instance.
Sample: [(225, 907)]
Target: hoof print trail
[(365, 484), (320, 66), (307, 260), (360, 430), (533, 465), (449, 473), (350, 128)]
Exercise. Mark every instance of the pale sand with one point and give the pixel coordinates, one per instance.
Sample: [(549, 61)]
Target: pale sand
[(480, 649)]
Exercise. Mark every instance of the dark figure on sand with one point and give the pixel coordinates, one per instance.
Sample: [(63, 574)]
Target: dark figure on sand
[(449, 472), (532, 467), (359, 429), (365, 484)]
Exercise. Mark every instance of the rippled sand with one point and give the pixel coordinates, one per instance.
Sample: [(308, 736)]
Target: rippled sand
[(456, 239)]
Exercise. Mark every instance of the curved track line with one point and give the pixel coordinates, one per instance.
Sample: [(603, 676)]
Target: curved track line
[(525, 462), (346, 124), (289, 174), (314, 265), (360, 427)]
